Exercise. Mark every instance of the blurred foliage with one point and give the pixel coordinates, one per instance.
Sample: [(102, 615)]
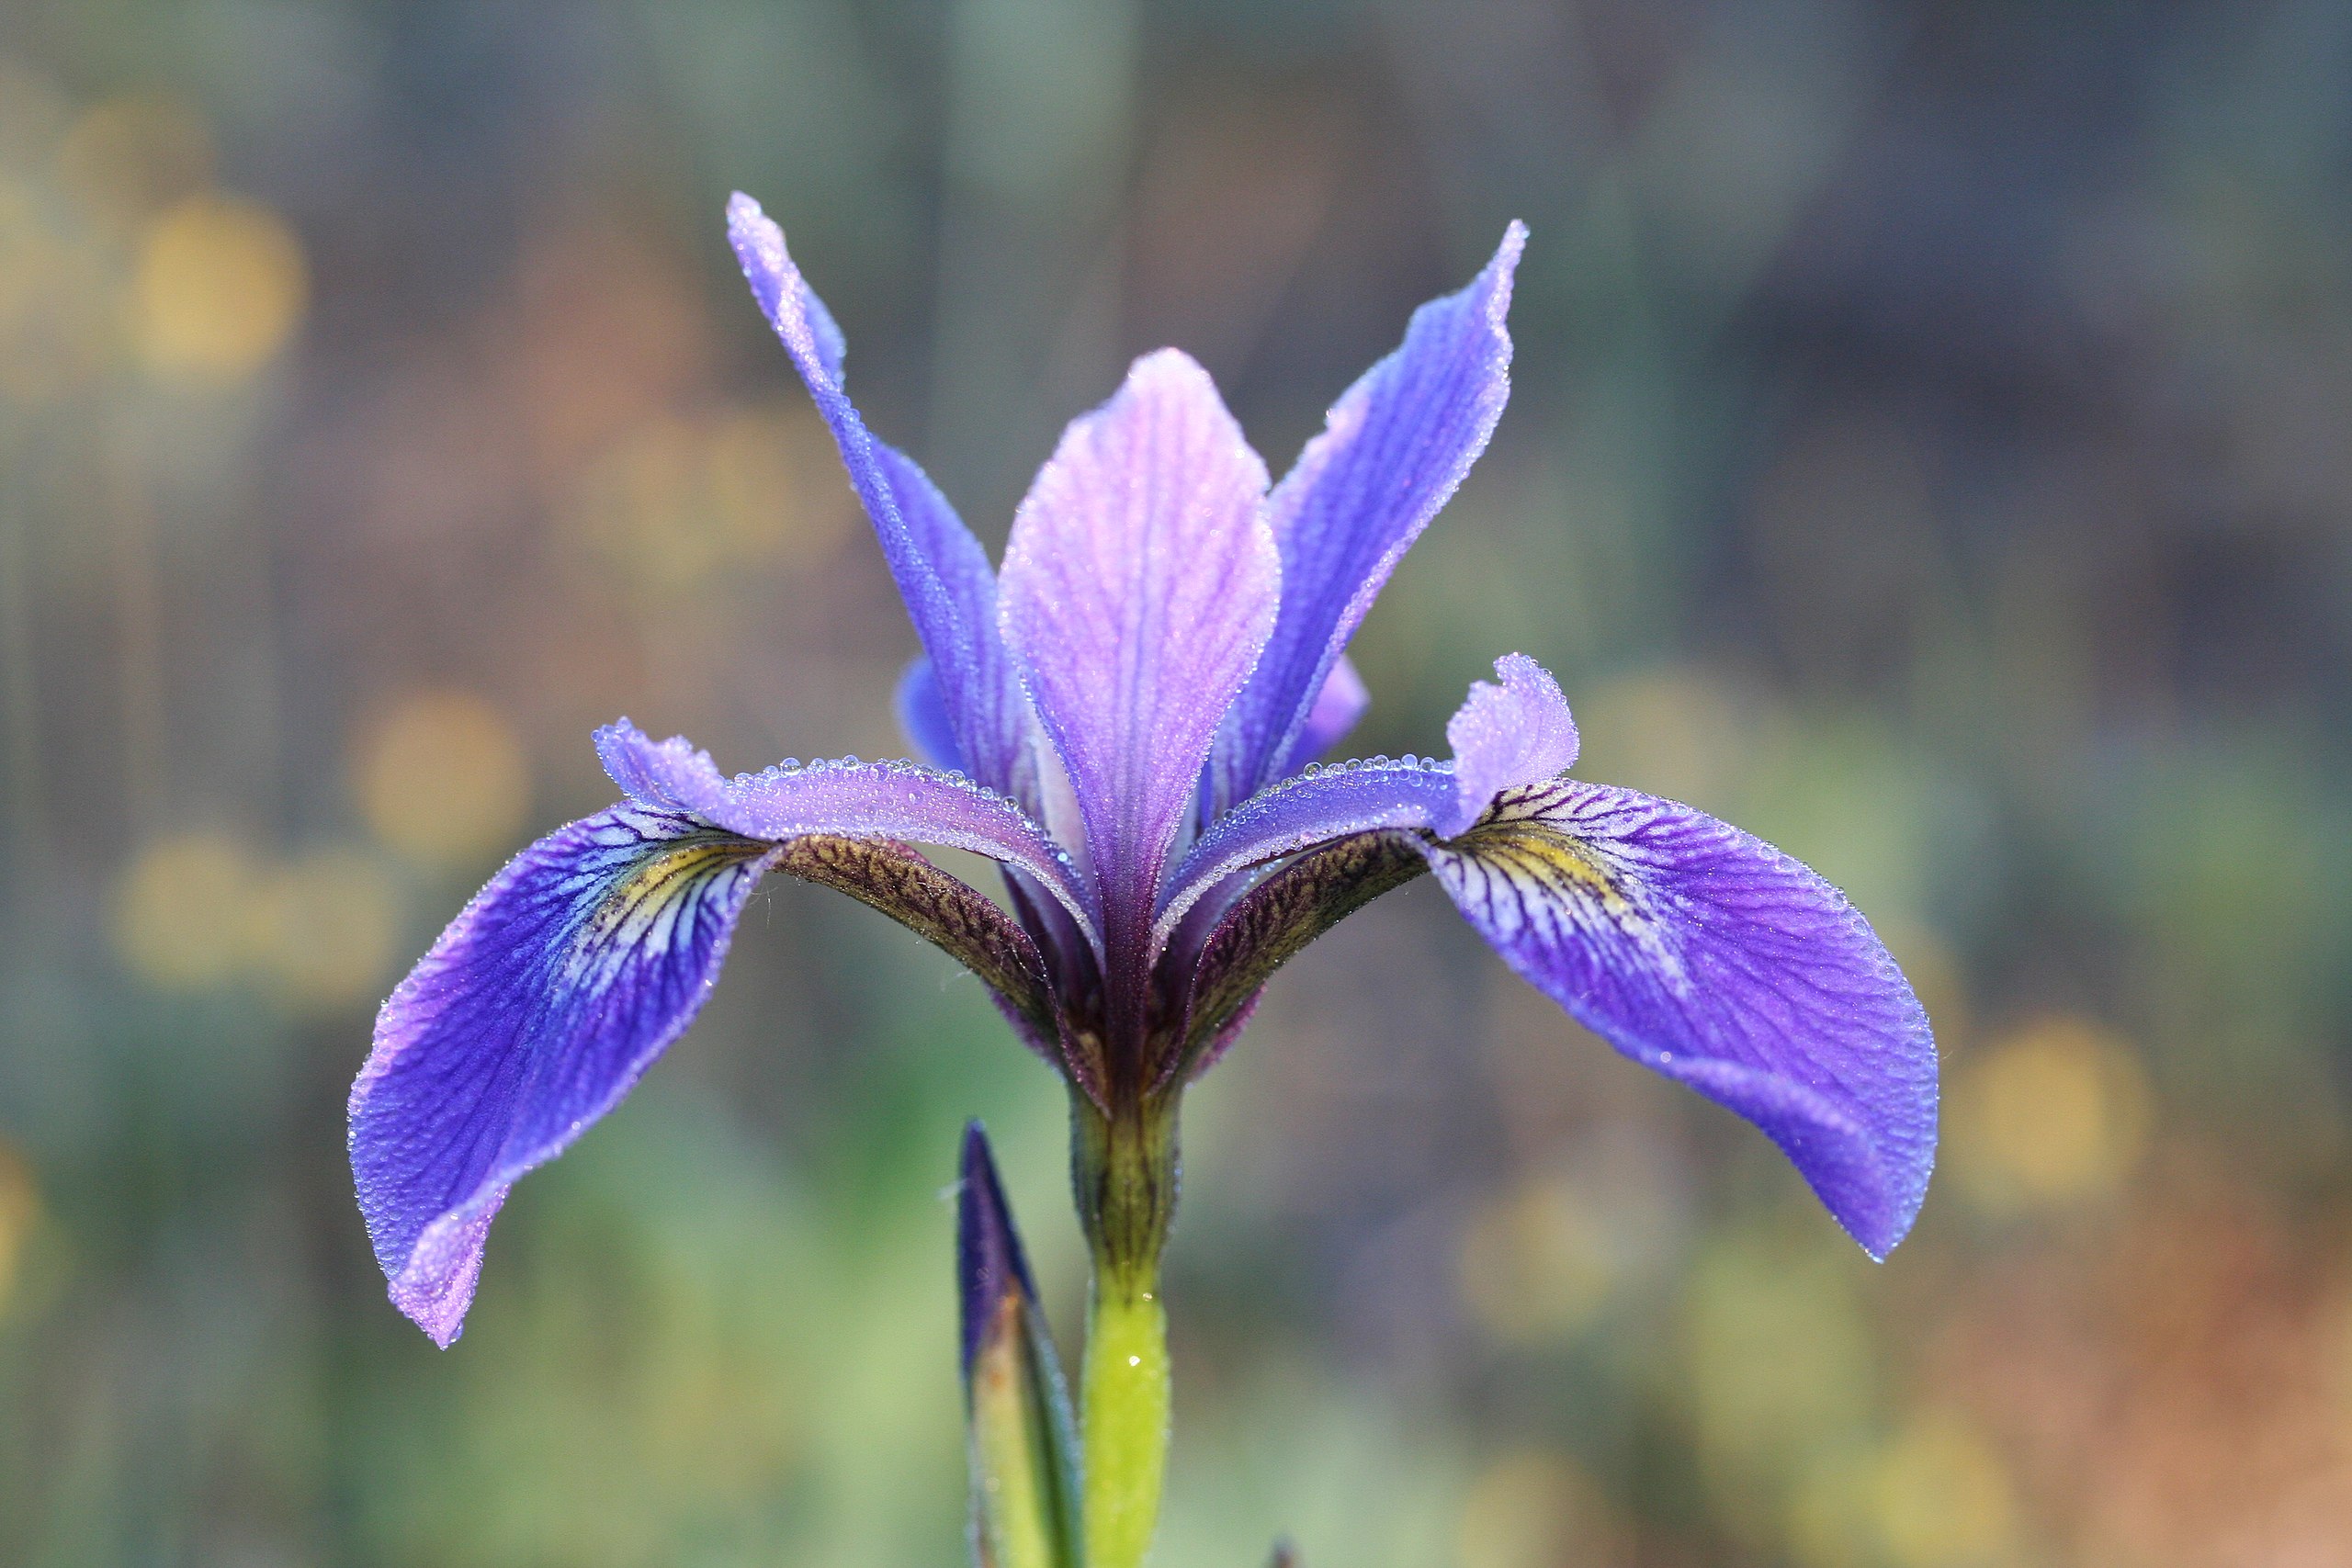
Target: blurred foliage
[(1927, 451)]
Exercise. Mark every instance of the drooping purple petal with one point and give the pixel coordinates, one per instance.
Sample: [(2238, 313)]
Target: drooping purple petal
[(1514, 733), (542, 1003), (1394, 448), (894, 800), (530, 1017), (941, 571), (1517, 733), (1138, 587), (1714, 959)]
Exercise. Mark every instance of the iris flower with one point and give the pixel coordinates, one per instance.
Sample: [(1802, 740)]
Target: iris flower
[(1126, 716)]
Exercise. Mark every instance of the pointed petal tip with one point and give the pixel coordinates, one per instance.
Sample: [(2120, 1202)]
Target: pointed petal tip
[(989, 1265), (1169, 372), (978, 1161)]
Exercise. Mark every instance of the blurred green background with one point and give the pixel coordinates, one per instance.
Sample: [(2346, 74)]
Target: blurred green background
[(1929, 450)]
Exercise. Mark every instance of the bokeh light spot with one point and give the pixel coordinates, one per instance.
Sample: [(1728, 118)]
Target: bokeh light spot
[(2055, 1112), (1536, 1508), (1782, 1368), (184, 908), (131, 156), (1942, 1497), (325, 926), (220, 286), (442, 778), (678, 501), (19, 1210), (1535, 1264)]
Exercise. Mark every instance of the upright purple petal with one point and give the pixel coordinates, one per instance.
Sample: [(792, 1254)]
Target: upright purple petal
[(940, 570), (894, 800), (1394, 449), (1714, 959), (1514, 733), (530, 1017), (1139, 585)]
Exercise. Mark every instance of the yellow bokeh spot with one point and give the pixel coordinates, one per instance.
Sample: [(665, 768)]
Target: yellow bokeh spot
[(325, 927), (2055, 1112), (1535, 1264), (1941, 1498), (441, 777), (1782, 1366), (1536, 1508), (184, 908), (678, 501), (19, 1210), (1830, 1511), (129, 156), (221, 284)]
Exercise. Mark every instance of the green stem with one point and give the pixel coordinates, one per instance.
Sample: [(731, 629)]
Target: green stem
[(1126, 1423), (1124, 1167)]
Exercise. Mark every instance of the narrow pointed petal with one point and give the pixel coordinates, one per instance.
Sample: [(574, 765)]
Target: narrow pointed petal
[(942, 571), (1140, 583), (1394, 448), (1714, 959), (1517, 732), (530, 1017), (891, 800), (991, 1267)]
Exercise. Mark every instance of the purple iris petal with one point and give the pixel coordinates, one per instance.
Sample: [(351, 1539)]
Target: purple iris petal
[(1139, 585), (1517, 733), (989, 1265), (895, 800), (923, 716), (529, 1019), (1713, 958), (1503, 735), (1336, 708), (940, 570), (1352, 798), (1394, 448)]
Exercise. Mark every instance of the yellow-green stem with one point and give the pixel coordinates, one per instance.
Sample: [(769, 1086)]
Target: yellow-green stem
[(1124, 1167), (1125, 1422)]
